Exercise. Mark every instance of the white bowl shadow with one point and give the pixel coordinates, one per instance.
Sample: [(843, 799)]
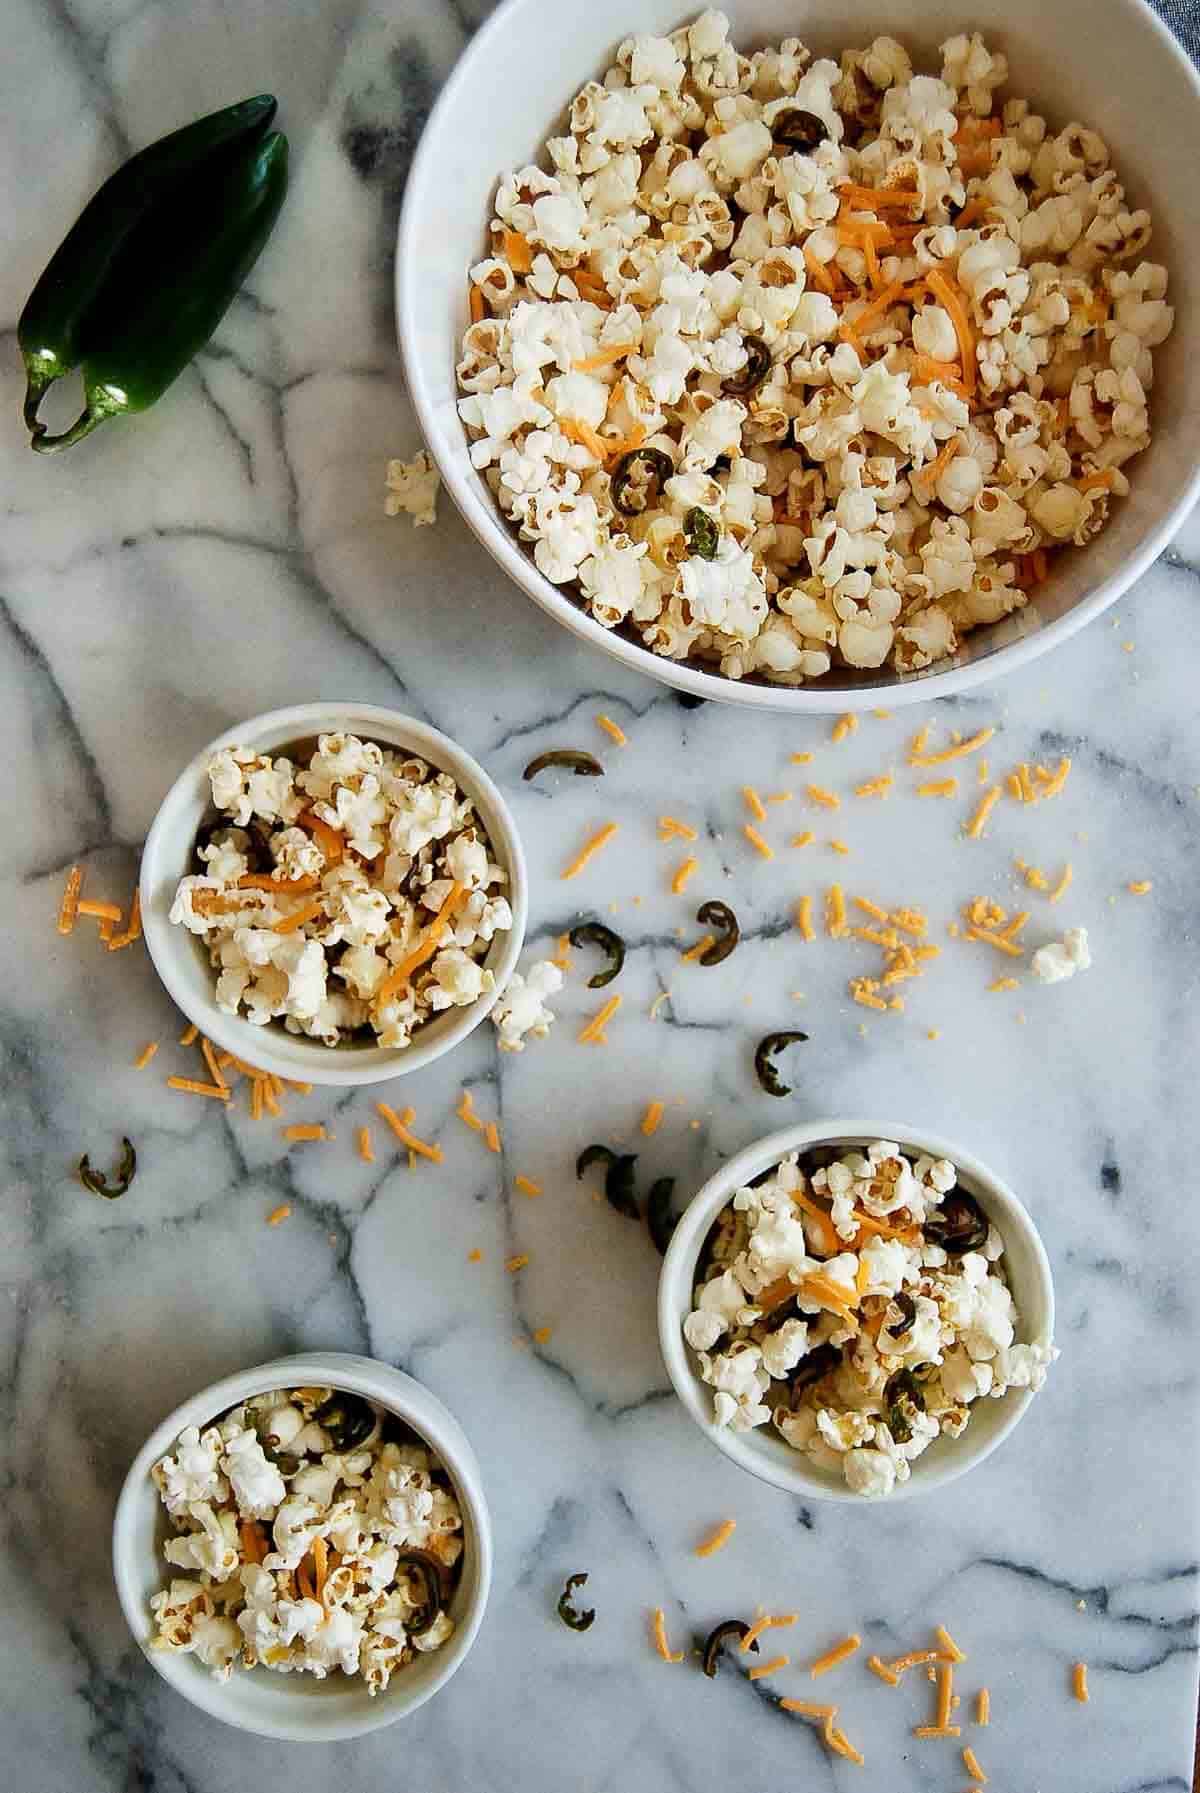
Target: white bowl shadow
[(299, 1708), (181, 961), (763, 1451), (511, 86)]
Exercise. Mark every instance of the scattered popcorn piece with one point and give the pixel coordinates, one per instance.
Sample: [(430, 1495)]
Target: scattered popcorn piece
[(1062, 959), (413, 487)]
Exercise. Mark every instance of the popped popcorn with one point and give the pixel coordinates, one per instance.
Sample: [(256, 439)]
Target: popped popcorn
[(890, 414), (413, 487), (366, 1529), (862, 1339), (1062, 959), (352, 893)]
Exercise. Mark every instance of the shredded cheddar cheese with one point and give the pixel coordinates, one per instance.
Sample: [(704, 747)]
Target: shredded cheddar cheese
[(189, 1035), (279, 1214), (587, 853), (835, 912), (425, 948), (671, 828), (801, 759), (754, 803), (863, 992), (1140, 887), (1064, 882), (971, 1764), (214, 1069), (192, 1088), (989, 937), (613, 730), (593, 1033), (881, 1669), (366, 1150), (823, 798), (652, 1118), (845, 725), (475, 1257), (491, 1137), (680, 881), (839, 846), (803, 840), (399, 1125), (517, 1262), (99, 911), (957, 752), (769, 1668), (1004, 983), (974, 828), (658, 1632), (838, 1654), (983, 1707), (543, 1335), (804, 919), (948, 1645), (780, 796), (938, 787), (527, 1186), (808, 1709), (1079, 1683), (768, 1622), (305, 1130), (466, 1112), (69, 907), (718, 1539), (145, 1055), (875, 787), (757, 842)]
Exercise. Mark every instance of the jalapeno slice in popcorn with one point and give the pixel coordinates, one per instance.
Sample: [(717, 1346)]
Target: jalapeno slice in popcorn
[(660, 1221), (765, 1071), (702, 534), (810, 1369), (619, 1191), (959, 1225), (799, 130), (902, 1400), (566, 759), (719, 915), (347, 1418), (594, 933), (430, 1573), (748, 379), (728, 1628), (96, 1181), (568, 1612), (638, 478)]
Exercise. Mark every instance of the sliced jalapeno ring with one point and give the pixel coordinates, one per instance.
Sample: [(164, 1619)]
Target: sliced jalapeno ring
[(594, 933), (902, 1400), (810, 1369), (716, 1638), (567, 1612), (748, 379), (432, 1575), (799, 130), (595, 1154), (660, 1221), (96, 1181), (719, 915), (347, 1418), (702, 533), (659, 468), (959, 1225), (767, 1075), (618, 1186), (568, 759)]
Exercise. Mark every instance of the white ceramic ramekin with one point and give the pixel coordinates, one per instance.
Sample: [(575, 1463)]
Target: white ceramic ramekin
[(1113, 65), (763, 1452), (299, 1708), (182, 963)]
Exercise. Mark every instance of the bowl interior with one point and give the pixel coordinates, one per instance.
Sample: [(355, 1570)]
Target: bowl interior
[(182, 962), (509, 91), (299, 1706), (763, 1451)]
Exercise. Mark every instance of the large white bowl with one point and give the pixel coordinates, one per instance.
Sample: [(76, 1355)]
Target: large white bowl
[(763, 1452), (299, 1708), (1110, 63), (182, 963)]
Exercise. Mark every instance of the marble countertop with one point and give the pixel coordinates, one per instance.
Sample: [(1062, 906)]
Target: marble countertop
[(228, 554)]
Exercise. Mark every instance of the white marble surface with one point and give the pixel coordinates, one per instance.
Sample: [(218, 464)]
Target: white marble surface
[(229, 553)]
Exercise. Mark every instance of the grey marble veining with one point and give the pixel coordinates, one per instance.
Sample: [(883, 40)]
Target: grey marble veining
[(230, 553)]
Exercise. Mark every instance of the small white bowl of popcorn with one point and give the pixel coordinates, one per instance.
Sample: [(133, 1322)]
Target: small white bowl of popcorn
[(333, 893), (850, 1310), (803, 356), (303, 1550)]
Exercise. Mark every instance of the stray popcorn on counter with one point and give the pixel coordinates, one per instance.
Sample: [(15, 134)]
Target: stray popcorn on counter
[(860, 1308), (413, 487), (1061, 959), (781, 364), (522, 1009), (313, 1535)]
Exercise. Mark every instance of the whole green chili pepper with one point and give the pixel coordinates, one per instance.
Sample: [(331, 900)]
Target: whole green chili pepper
[(170, 287), (48, 330)]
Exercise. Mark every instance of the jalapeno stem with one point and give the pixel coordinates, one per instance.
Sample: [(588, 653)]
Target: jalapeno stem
[(38, 382), (99, 408)]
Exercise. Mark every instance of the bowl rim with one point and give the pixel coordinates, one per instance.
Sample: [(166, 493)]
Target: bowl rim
[(166, 942), (489, 528), (356, 1375), (677, 1278)]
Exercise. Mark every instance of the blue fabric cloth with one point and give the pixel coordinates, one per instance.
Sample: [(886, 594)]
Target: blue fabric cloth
[(1183, 16)]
